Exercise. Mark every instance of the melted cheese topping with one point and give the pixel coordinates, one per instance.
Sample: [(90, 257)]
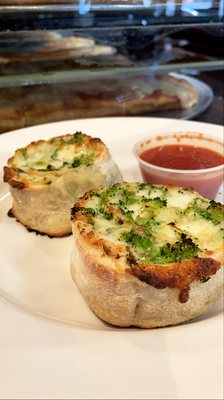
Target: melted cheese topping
[(158, 224), (42, 162)]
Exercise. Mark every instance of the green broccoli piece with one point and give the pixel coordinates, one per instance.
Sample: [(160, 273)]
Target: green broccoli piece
[(106, 214), (157, 202), (183, 249), (23, 152), (84, 159), (211, 211), (88, 211), (77, 137), (215, 211), (140, 241)]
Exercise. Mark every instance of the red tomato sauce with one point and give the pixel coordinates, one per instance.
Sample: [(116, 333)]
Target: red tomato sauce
[(185, 157)]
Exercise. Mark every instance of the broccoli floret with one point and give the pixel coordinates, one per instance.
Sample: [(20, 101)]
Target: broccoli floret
[(211, 211), (107, 194), (143, 186), (215, 211), (140, 241), (77, 137), (89, 210), (157, 202), (106, 214), (23, 152), (84, 159), (180, 250)]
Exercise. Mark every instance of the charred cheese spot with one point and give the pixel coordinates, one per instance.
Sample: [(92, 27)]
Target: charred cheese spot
[(172, 236)]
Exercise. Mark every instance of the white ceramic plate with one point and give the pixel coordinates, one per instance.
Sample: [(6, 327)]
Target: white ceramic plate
[(35, 276)]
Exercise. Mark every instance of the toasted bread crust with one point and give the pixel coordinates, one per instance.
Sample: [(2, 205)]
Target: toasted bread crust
[(179, 275)]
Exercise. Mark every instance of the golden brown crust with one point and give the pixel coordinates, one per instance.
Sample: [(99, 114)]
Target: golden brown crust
[(179, 275), (8, 173)]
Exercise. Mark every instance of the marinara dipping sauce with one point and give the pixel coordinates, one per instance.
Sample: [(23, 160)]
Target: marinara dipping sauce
[(182, 156), (183, 159)]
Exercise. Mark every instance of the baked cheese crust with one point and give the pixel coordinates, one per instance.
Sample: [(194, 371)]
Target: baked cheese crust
[(147, 255), (46, 177)]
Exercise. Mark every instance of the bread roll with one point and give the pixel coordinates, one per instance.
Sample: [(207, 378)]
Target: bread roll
[(47, 177), (147, 255)]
